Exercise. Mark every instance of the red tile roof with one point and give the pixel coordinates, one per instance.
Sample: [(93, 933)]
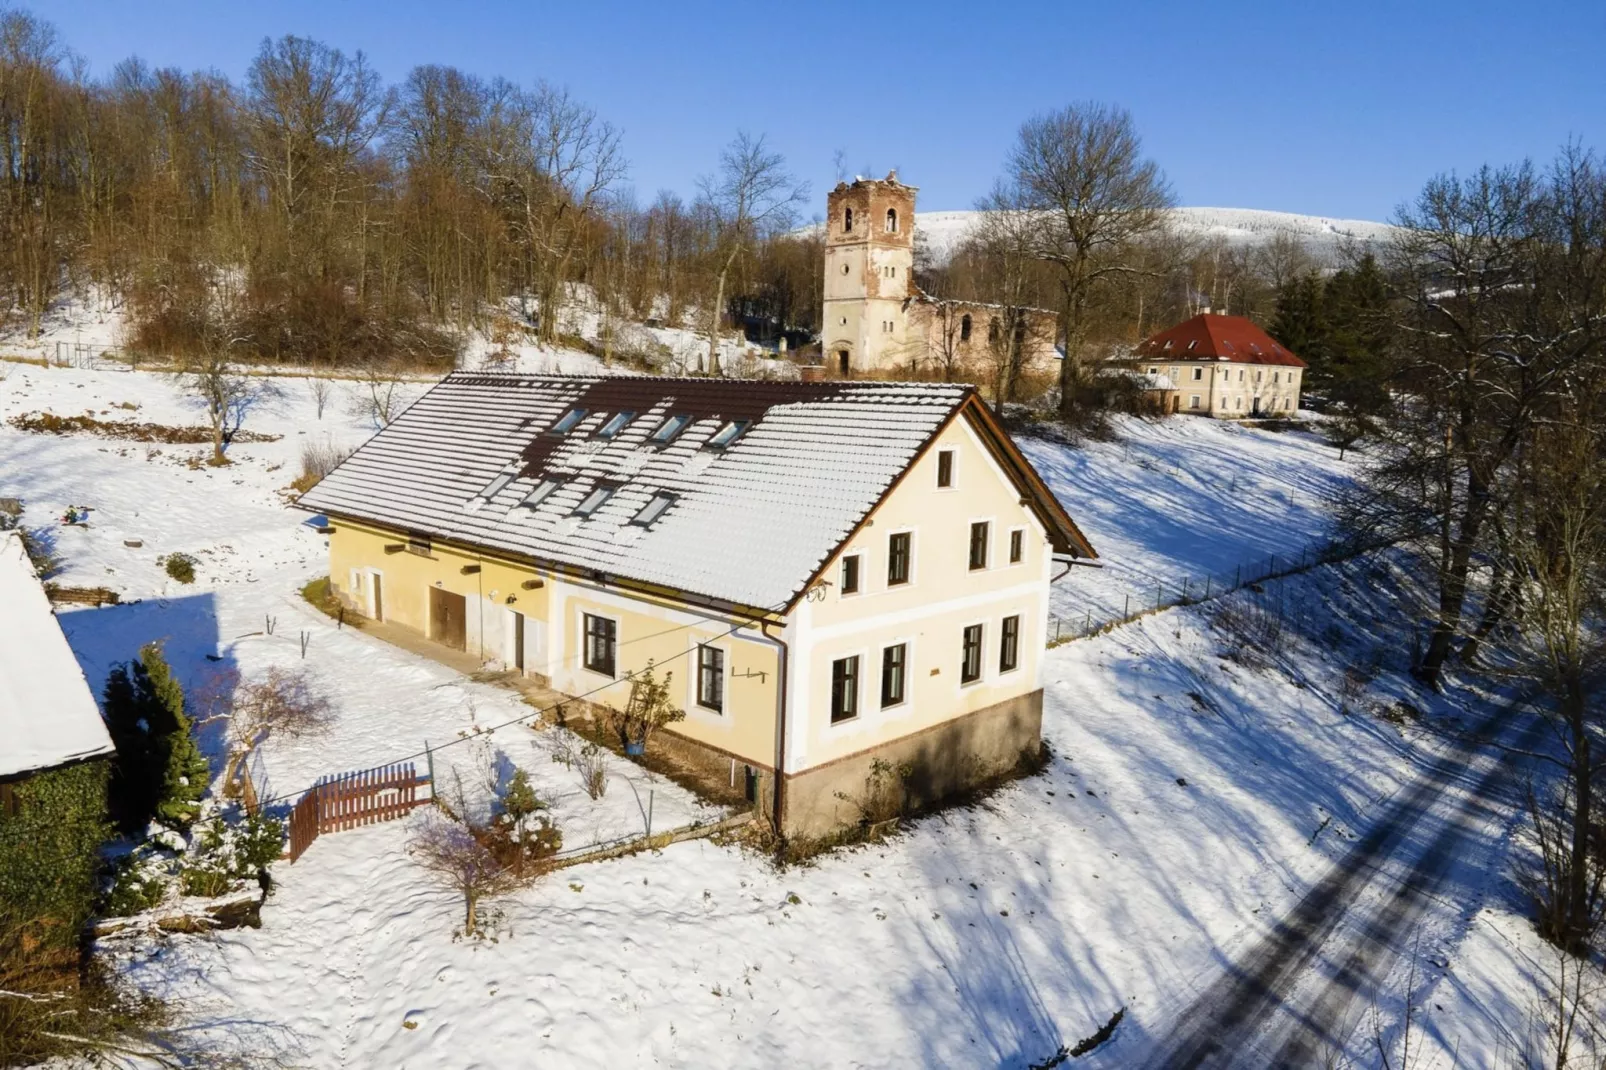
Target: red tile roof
[(1210, 337)]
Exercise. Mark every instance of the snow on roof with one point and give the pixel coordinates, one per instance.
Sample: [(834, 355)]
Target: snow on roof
[(748, 522), (1210, 337), (48, 717)]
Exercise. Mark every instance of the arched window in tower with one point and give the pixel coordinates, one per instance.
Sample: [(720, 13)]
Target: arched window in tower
[(847, 220), (892, 221), (964, 327)]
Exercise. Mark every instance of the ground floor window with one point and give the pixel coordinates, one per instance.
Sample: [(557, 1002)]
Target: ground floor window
[(711, 678), (844, 689), (601, 644), (1009, 644), (894, 663), (970, 660)]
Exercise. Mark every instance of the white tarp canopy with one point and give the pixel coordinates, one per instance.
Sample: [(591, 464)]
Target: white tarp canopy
[(48, 716)]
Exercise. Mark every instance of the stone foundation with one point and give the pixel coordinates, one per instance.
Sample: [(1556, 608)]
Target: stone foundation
[(943, 760)]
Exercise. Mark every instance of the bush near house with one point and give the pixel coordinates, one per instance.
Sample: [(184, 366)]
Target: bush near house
[(180, 567), (159, 772)]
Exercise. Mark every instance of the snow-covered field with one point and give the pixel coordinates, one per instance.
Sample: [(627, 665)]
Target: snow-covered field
[(1192, 797)]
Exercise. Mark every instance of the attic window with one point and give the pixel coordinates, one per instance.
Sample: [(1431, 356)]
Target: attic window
[(539, 492), (670, 428), (616, 423), (1254, 347), (567, 422), (1228, 347), (728, 434), (593, 501), (653, 509), (1193, 343), (494, 487), (1167, 345)]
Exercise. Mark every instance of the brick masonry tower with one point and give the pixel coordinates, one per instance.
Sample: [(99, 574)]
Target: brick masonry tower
[(869, 262)]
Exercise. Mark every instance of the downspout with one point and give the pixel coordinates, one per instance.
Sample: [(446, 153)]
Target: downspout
[(782, 655), (1070, 563)]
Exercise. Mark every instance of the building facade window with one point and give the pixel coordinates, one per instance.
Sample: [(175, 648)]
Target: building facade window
[(899, 550), (844, 689), (978, 544), (892, 221), (1017, 546), (894, 672), (970, 655), (964, 327), (847, 220), (1198, 374), (850, 574), (711, 678), (945, 468), (1009, 644), (601, 644)]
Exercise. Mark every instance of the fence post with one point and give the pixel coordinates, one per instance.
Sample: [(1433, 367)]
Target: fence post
[(1087, 625), (1237, 576), (1126, 609), (1185, 581), (1207, 587), (1158, 594), (429, 759)]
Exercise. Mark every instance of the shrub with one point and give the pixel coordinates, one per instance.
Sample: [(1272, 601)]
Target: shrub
[(318, 459), (646, 710), (159, 771), (180, 567), (49, 868), (134, 889), (583, 756)]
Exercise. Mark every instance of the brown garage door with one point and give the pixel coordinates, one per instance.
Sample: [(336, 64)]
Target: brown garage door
[(448, 618)]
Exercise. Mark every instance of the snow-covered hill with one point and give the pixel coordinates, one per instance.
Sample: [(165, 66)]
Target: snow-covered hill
[(1322, 237)]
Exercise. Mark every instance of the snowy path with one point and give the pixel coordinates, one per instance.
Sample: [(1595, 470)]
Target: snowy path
[(1296, 997)]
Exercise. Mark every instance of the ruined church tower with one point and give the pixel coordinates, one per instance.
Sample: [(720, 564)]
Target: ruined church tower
[(869, 265)]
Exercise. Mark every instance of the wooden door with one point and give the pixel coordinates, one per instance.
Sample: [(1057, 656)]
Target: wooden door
[(448, 618), (379, 598)]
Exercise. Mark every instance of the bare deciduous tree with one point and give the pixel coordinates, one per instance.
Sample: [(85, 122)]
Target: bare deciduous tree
[(449, 852), (1082, 169), (751, 196)]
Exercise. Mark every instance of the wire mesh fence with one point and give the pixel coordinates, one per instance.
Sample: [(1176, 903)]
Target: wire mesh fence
[(1202, 587)]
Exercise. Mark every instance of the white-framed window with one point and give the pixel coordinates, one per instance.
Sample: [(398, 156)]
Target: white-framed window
[(1009, 643), (1017, 545), (894, 675), (945, 469), (600, 640), (900, 558), (1198, 374), (711, 678), (844, 689), (980, 537), (1193, 401), (850, 578), (970, 651)]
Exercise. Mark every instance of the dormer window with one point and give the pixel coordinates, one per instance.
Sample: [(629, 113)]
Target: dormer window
[(593, 501), (539, 492), (616, 423), (653, 509), (567, 422), (670, 429), (728, 434)]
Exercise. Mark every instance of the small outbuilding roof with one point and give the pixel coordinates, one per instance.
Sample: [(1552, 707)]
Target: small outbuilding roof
[(48, 716), (1211, 337), (732, 490)]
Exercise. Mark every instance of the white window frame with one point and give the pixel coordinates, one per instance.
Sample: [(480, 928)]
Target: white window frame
[(585, 642), (1020, 644), (1012, 533), (1193, 401), (952, 453), (981, 661), (914, 553), (986, 565), (724, 678), (858, 716), (841, 567), (908, 645)]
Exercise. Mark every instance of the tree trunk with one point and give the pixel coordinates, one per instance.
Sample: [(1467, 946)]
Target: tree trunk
[(714, 316), (1068, 366)]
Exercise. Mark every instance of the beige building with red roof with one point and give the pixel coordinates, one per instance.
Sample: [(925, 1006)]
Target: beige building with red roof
[(1222, 366)]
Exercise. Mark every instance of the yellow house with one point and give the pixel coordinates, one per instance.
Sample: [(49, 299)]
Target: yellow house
[(835, 572)]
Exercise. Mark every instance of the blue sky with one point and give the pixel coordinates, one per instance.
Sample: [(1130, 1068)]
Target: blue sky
[(1338, 109)]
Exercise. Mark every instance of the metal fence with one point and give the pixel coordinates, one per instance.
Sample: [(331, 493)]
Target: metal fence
[(1193, 589)]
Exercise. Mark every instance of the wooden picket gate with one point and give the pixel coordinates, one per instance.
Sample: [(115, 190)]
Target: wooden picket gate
[(347, 800)]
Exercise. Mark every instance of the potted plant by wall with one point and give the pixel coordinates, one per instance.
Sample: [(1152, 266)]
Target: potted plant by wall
[(647, 710)]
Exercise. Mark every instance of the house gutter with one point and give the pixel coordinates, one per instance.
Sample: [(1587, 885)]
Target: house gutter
[(782, 657), (1070, 563)]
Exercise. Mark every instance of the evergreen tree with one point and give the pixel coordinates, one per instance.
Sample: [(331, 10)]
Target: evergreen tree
[(160, 771), (1300, 321)]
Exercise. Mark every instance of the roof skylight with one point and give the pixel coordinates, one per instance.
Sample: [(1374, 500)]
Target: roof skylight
[(653, 509), (539, 492), (616, 423), (494, 487), (728, 434), (670, 428), (594, 500), (567, 421)]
